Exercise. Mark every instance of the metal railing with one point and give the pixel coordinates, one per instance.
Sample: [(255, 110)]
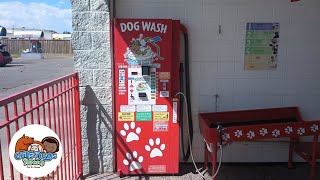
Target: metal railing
[(54, 104)]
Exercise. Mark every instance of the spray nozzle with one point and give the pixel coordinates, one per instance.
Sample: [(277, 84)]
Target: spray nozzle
[(220, 129)]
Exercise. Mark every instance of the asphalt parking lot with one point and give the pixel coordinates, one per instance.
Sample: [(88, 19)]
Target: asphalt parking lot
[(23, 74)]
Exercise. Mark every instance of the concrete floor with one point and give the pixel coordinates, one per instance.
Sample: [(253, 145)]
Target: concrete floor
[(231, 171)]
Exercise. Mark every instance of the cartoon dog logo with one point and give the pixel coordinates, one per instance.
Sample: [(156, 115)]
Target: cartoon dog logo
[(23, 143), (139, 51), (136, 46), (48, 144), (35, 153)]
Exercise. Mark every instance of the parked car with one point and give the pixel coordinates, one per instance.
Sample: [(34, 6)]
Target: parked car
[(5, 56)]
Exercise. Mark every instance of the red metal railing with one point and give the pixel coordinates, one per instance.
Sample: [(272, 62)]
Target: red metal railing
[(54, 104)]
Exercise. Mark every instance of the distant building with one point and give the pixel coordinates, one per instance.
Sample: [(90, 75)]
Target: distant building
[(25, 33), (29, 34)]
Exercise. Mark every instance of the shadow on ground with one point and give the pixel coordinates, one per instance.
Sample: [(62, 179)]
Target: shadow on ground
[(230, 171), (12, 65)]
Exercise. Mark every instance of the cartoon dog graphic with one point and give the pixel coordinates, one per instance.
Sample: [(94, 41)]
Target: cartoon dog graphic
[(135, 47), (26, 143), (23, 143)]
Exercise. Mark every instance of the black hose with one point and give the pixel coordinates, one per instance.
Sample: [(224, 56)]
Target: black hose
[(187, 88), (181, 87)]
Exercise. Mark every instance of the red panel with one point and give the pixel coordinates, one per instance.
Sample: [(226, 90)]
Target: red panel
[(146, 146)]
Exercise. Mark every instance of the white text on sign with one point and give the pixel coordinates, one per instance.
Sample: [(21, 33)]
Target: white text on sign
[(146, 26)]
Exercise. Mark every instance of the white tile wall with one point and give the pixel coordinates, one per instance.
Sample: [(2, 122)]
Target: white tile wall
[(217, 60)]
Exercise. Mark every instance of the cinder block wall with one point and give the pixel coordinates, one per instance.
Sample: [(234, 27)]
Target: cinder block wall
[(218, 60), (92, 59)]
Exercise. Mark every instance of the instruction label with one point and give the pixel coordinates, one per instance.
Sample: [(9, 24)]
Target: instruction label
[(144, 116), (160, 108), (160, 126), (164, 75), (261, 46), (161, 116), (157, 168), (122, 84), (143, 108), (127, 108), (174, 112), (125, 116)]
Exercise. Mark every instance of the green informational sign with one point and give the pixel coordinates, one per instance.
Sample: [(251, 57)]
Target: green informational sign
[(257, 42), (143, 116), (258, 50), (261, 46), (259, 34)]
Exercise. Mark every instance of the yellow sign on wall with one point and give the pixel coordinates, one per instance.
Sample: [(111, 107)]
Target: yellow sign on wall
[(125, 116), (161, 116)]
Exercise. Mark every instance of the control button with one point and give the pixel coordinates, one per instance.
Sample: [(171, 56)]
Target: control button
[(164, 85)]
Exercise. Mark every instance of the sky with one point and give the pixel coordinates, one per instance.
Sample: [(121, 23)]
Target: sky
[(39, 14)]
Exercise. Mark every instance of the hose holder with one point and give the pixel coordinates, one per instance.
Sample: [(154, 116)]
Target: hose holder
[(220, 130)]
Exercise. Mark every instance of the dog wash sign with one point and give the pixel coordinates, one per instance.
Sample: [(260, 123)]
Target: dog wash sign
[(35, 150), (144, 26)]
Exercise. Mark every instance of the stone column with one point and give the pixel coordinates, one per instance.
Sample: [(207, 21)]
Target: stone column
[(92, 59)]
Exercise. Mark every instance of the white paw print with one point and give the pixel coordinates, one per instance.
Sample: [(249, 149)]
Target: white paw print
[(263, 131), (132, 161), (226, 136), (238, 133), (250, 134), (155, 152), (276, 133), (314, 128), (301, 131), (288, 130), (132, 136)]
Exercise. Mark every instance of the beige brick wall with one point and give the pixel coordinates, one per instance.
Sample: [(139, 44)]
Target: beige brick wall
[(218, 60)]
